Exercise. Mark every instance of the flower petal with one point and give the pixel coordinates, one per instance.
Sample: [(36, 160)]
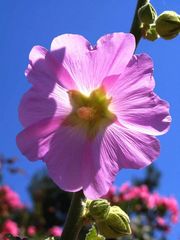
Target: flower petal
[(45, 69), (34, 141), (111, 151), (134, 102), (64, 159), (89, 65), (132, 149), (41, 103), (99, 168)]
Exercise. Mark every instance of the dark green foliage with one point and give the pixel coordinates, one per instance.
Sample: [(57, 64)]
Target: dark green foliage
[(50, 203)]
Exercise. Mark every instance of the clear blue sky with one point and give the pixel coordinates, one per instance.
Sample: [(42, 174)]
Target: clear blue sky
[(24, 24)]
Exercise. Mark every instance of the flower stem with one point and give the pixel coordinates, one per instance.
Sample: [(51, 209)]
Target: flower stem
[(136, 24), (74, 221)]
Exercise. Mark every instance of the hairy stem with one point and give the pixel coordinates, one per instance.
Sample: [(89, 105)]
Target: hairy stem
[(74, 222), (135, 28)]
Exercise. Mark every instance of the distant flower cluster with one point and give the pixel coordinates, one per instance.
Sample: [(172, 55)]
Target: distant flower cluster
[(9, 227), (55, 231), (161, 210), (9, 200), (11, 209), (149, 211)]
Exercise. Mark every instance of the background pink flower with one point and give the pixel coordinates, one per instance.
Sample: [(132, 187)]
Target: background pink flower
[(10, 197), (10, 227), (31, 231), (55, 231), (91, 139), (163, 224)]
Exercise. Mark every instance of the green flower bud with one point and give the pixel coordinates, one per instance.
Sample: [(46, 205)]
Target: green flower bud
[(116, 224), (99, 209), (151, 34), (147, 14), (168, 25)]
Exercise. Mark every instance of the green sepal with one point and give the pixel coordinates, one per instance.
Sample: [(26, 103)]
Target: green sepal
[(147, 14), (151, 34), (116, 224), (93, 235), (99, 209)]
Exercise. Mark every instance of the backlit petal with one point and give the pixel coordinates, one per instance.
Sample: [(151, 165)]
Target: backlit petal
[(45, 69), (131, 149), (88, 65), (34, 141), (134, 102), (41, 103), (64, 159)]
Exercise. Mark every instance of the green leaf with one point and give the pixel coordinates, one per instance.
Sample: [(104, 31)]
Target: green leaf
[(93, 235)]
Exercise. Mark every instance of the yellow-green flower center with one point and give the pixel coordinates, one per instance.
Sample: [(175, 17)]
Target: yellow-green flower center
[(90, 113)]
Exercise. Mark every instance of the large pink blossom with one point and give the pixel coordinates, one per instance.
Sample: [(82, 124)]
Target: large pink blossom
[(91, 111)]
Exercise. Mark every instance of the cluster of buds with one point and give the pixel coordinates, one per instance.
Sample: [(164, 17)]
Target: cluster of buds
[(166, 25), (111, 221), (164, 209)]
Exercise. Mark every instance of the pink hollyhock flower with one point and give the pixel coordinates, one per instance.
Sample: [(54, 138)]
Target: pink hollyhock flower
[(171, 204), (11, 198), (55, 231), (152, 200), (125, 187), (175, 218), (10, 227), (111, 193), (161, 222), (128, 192), (91, 111), (31, 231)]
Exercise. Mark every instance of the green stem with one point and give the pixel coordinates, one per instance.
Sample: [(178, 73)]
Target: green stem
[(135, 28), (74, 221)]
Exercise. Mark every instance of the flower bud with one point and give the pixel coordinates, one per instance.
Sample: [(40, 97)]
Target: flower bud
[(151, 34), (147, 14), (99, 209), (168, 25), (116, 224)]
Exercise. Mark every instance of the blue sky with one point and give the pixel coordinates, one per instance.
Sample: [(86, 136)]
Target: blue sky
[(24, 24)]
